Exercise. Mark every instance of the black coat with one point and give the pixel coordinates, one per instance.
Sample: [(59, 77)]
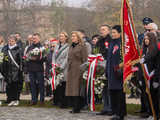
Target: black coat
[(114, 58), (10, 71), (152, 60), (35, 65), (102, 47)]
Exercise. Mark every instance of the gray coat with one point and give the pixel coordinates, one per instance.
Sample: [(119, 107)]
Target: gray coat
[(76, 56), (60, 57)]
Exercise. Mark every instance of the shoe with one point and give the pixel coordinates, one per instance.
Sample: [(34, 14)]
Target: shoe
[(144, 115), (63, 106), (109, 113), (102, 113), (42, 103), (116, 117), (74, 111), (140, 111), (11, 103), (16, 103), (150, 118), (33, 103)]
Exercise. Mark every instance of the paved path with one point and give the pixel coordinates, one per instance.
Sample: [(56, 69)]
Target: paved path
[(21, 113), (29, 113)]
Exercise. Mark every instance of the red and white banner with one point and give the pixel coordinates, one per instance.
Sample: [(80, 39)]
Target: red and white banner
[(53, 80), (93, 60), (130, 52)]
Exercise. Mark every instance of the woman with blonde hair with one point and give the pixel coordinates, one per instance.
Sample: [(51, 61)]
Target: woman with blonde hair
[(59, 58), (77, 55)]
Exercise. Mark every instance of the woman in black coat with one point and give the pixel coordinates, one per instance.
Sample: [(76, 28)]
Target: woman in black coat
[(151, 59), (115, 76), (11, 69)]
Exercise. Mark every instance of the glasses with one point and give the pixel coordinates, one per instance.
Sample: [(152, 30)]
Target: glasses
[(148, 30), (52, 47)]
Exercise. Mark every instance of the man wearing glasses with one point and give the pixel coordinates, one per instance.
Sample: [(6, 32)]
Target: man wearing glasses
[(146, 21)]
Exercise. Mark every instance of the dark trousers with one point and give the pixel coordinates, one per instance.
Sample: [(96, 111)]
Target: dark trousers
[(59, 97), (37, 85), (118, 102), (144, 101), (143, 95), (77, 103), (107, 100), (13, 91), (155, 100), (27, 84)]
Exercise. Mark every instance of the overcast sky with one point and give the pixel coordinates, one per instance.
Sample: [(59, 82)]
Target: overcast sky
[(76, 3), (72, 3)]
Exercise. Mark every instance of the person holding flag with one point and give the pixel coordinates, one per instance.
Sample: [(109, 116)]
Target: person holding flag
[(141, 82), (131, 50), (151, 59), (114, 74)]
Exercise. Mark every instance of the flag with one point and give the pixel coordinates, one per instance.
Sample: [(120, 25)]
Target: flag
[(130, 52), (131, 48)]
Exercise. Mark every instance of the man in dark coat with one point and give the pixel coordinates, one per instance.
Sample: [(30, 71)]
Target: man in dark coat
[(103, 45), (146, 21), (104, 40), (36, 72), (115, 76)]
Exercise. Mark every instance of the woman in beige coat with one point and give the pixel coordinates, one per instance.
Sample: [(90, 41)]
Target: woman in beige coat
[(77, 55)]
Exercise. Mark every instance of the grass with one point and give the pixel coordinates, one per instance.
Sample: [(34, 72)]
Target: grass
[(26, 103), (131, 108)]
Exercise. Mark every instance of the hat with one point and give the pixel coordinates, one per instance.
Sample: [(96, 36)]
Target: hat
[(147, 20), (53, 41)]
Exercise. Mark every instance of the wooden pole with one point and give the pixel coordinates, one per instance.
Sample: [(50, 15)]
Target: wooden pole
[(142, 65)]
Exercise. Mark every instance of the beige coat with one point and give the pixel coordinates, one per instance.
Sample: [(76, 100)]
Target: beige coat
[(76, 56)]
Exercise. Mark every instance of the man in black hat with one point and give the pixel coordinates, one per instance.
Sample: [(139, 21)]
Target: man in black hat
[(146, 22)]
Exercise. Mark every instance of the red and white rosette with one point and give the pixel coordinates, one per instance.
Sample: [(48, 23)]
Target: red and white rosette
[(93, 60), (53, 74), (106, 44)]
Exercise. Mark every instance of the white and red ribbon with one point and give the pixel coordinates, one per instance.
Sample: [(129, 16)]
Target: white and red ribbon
[(53, 74), (93, 60), (147, 74)]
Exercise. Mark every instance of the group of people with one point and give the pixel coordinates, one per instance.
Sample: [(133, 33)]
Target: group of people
[(68, 54)]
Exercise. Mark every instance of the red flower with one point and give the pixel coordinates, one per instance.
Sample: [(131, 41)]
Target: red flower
[(106, 44), (24, 57), (115, 49)]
